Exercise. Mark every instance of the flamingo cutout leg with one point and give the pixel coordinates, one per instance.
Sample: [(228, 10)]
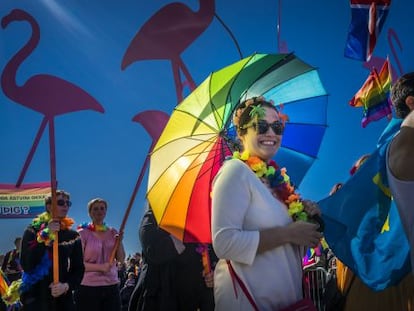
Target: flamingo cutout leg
[(177, 80), (177, 65), (186, 73), (32, 151), (131, 202)]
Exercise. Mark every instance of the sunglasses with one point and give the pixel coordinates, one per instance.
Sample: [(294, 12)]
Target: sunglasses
[(62, 202), (262, 127)]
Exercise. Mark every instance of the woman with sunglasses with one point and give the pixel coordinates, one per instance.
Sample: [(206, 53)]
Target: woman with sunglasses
[(38, 290), (260, 226), (99, 289)]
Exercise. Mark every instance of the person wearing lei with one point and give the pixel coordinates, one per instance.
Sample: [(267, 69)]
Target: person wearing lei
[(260, 225), (99, 289), (37, 290)]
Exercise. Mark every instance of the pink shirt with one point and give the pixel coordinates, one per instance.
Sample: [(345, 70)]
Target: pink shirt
[(97, 250)]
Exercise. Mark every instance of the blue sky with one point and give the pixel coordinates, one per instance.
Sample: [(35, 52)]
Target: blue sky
[(102, 154)]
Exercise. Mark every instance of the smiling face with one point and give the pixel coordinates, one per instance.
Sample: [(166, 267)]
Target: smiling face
[(263, 145)]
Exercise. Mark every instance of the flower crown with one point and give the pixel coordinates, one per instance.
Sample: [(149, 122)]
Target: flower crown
[(257, 111)]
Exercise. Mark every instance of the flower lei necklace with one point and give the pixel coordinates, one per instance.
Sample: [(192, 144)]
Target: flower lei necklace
[(92, 227), (44, 234), (278, 182)]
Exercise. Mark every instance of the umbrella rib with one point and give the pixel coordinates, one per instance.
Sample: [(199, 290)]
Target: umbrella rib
[(189, 137), (198, 119)]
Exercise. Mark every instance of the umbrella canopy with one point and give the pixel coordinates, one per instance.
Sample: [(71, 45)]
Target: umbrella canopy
[(199, 135)]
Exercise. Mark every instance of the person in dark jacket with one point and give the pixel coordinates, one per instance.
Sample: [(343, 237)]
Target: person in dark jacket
[(39, 292), (172, 276), (11, 262)]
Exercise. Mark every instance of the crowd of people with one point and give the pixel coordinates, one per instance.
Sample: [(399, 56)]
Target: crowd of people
[(261, 229)]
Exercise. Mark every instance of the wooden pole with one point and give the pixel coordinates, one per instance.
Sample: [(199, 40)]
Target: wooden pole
[(154, 122), (130, 204), (54, 187)]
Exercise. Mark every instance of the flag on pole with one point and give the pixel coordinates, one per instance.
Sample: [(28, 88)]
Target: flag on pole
[(362, 224), (374, 95), (368, 17)]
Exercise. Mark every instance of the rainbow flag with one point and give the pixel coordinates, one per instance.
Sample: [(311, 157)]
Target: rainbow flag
[(374, 95), (25, 201)]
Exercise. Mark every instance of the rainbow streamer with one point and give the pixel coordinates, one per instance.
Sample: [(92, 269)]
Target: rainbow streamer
[(3, 284), (10, 293), (310, 257), (202, 249), (374, 95)]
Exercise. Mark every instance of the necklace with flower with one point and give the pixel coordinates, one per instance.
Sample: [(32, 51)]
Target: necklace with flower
[(278, 181), (92, 227), (44, 234)]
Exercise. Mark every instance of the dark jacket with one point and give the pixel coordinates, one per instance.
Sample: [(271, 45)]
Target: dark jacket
[(37, 296), (168, 280)]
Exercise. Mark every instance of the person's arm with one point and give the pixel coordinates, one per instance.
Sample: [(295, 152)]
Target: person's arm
[(231, 200), (5, 261), (299, 232), (97, 267), (91, 267), (120, 252), (31, 251), (401, 152), (77, 267)]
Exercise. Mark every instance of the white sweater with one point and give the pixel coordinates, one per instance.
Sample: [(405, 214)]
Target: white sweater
[(242, 206)]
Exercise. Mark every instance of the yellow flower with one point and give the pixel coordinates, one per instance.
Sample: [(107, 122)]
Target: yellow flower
[(244, 156), (12, 294), (257, 165), (270, 171), (236, 155), (295, 208)]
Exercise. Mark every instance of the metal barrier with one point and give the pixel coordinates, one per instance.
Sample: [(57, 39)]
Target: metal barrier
[(315, 279)]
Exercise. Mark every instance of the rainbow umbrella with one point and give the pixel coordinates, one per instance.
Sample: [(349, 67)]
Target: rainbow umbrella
[(199, 136)]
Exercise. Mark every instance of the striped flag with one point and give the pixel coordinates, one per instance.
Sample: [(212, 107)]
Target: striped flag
[(374, 95), (25, 201), (368, 17)]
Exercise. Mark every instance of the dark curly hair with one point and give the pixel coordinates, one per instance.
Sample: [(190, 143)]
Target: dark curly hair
[(242, 112), (48, 199), (401, 89)]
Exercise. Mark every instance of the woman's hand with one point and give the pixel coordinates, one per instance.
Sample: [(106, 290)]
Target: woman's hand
[(58, 289), (304, 233), (311, 208), (54, 225), (314, 213), (209, 279)]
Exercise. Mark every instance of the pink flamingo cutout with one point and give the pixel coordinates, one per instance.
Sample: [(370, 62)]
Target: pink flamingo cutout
[(49, 95), (167, 34), (154, 122), (377, 62)]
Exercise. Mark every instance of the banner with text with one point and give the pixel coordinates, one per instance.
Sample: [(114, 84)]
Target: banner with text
[(26, 201)]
